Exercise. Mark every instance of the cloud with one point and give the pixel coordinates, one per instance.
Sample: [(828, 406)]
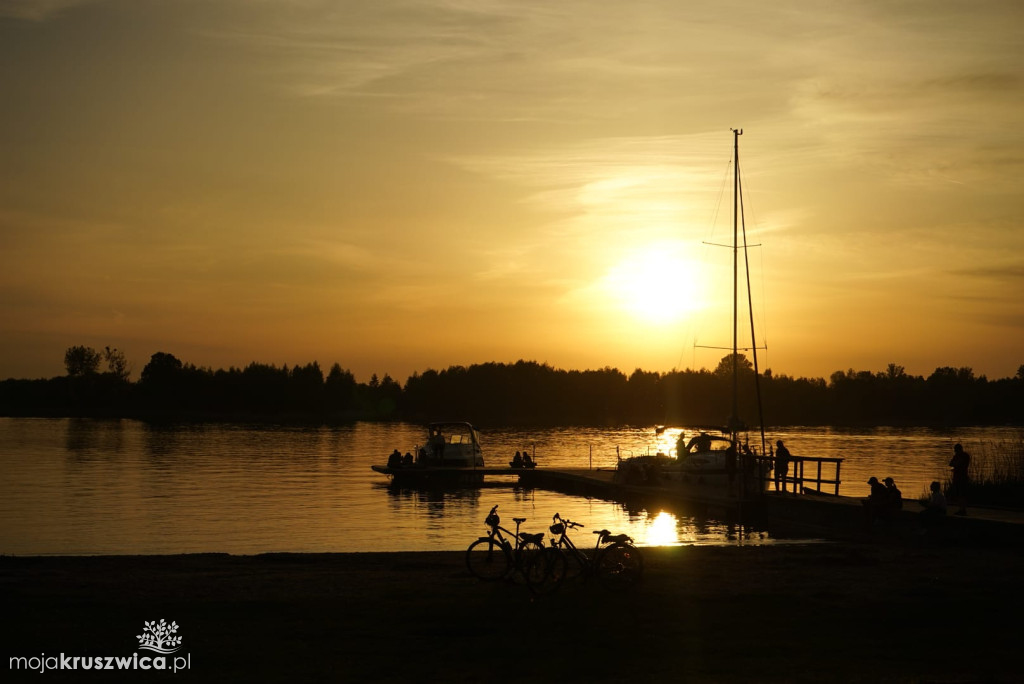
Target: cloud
[(1007, 271), (38, 10), (515, 62)]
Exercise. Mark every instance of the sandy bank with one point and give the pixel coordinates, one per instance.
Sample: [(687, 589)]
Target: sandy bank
[(824, 612)]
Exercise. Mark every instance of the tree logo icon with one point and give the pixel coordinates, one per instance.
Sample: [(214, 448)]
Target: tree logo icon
[(158, 637)]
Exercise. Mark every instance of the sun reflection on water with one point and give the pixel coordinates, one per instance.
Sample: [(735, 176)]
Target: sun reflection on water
[(663, 530)]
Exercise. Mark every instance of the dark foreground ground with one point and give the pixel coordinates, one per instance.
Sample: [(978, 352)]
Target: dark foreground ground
[(843, 612)]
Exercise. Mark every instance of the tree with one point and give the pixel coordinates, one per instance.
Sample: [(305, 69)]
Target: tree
[(895, 372), (161, 367), (743, 365), (340, 387), (80, 360), (117, 363)]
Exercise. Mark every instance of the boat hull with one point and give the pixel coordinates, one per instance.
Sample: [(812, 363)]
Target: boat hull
[(429, 475)]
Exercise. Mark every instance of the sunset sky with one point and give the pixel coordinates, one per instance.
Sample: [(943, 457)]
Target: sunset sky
[(399, 185)]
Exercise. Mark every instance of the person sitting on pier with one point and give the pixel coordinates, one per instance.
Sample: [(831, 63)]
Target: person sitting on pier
[(407, 459), (527, 461), (934, 506), (517, 461), (395, 459), (894, 497), (876, 506)]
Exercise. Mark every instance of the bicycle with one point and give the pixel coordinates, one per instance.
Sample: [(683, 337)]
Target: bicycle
[(493, 557), (617, 562)]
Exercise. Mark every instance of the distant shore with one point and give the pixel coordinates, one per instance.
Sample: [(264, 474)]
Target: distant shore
[(524, 393), (845, 611)]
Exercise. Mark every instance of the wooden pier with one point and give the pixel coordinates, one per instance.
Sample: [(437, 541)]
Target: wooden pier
[(805, 507)]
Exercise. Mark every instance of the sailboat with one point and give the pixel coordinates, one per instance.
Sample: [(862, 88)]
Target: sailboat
[(720, 458)]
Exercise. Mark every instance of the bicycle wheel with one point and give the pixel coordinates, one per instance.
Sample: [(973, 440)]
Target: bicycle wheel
[(545, 571), (487, 560), (525, 554), (576, 563), (619, 566)]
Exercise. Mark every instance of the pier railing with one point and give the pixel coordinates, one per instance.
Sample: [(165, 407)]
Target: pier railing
[(797, 475)]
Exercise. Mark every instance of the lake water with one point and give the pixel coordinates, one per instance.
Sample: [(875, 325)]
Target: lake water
[(81, 486)]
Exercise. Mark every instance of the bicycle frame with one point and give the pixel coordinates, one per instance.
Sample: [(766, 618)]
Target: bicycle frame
[(569, 546), (496, 532), (616, 562), (605, 539), (480, 556)]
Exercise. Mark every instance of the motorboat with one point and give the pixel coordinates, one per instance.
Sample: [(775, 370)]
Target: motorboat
[(451, 452)]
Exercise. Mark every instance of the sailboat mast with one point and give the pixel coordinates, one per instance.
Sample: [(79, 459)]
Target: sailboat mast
[(734, 421)]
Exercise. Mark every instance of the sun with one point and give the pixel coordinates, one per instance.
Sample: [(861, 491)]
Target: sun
[(656, 284)]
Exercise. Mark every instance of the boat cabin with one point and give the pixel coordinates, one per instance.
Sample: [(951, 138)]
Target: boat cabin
[(706, 452), (451, 444)]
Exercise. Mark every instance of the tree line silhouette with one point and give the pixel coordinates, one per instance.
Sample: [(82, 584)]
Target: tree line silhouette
[(98, 384)]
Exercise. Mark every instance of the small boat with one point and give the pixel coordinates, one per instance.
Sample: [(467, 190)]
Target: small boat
[(451, 454)]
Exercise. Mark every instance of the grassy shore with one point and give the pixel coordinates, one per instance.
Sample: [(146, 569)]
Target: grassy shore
[(809, 613)]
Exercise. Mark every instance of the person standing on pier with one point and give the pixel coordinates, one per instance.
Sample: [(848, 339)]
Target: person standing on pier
[(782, 459), (960, 463)]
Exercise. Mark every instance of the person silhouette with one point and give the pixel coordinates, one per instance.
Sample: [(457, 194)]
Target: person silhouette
[(699, 443), (960, 463), (934, 506), (517, 461), (528, 462), (782, 459), (437, 444), (876, 506), (894, 497), (395, 459)]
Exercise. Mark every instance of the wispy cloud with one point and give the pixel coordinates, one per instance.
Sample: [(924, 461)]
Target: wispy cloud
[(1013, 271), (38, 10)]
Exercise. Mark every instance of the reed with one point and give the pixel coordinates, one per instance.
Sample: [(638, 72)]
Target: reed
[(996, 473)]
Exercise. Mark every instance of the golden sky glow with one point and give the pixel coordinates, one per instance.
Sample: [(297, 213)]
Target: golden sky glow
[(403, 185)]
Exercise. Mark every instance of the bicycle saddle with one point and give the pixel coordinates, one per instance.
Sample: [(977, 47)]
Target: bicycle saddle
[(519, 520)]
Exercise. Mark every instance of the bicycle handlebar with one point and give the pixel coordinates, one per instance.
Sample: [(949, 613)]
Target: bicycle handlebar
[(492, 519), (568, 523)]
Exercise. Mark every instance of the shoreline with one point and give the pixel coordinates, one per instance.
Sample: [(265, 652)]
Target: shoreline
[(834, 611)]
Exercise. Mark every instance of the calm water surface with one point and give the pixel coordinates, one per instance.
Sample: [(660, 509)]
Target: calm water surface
[(79, 486)]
